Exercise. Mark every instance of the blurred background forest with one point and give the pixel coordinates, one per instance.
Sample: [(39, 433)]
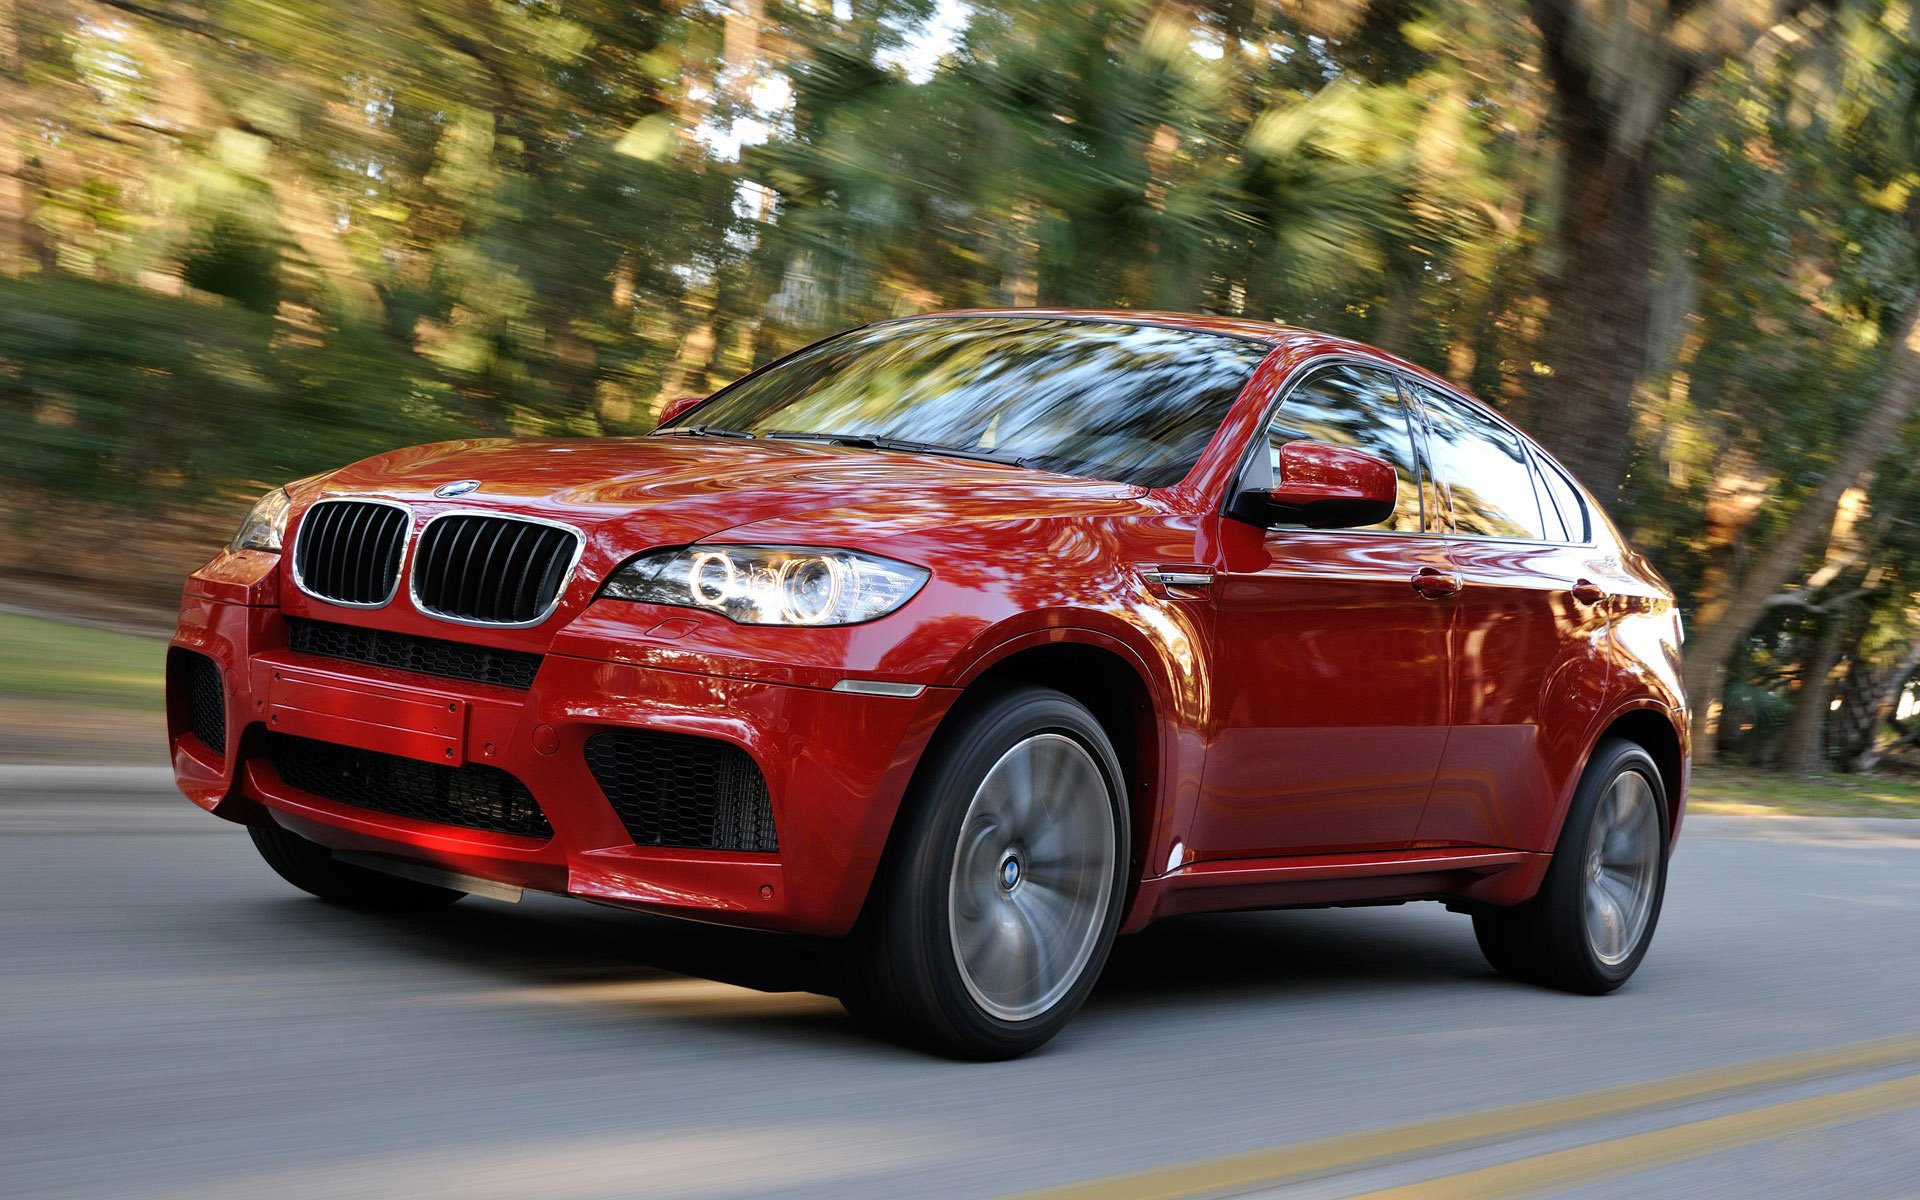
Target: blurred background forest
[(244, 241)]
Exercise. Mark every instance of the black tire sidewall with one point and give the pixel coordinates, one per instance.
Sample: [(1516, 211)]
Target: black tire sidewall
[(1564, 892), (913, 913)]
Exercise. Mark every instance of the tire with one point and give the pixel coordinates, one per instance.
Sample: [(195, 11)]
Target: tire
[(1590, 925), (312, 868), (983, 872)]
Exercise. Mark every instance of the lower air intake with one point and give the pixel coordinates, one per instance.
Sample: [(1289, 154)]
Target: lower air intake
[(475, 796), (206, 700), (689, 793), (407, 652)]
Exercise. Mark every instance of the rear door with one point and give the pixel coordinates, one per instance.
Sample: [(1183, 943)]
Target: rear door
[(1529, 658), (1333, 688)]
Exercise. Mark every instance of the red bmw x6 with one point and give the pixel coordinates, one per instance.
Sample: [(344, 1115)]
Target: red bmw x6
[(970, 641)]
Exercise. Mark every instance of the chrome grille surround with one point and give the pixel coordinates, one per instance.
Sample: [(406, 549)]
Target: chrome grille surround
[(441, 561), (337, 534)]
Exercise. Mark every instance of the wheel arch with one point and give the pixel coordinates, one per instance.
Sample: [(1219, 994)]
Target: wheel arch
[(1656, 729), (1110, 683), (1113, 682)]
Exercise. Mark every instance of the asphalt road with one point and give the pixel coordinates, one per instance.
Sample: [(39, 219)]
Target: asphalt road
[(176, 1022)]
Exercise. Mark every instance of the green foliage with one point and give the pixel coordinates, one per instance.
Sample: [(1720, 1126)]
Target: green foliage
[(514, 215), (118, 393), (230, 258)]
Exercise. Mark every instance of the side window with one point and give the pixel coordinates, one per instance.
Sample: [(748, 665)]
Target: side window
[(1549, 515), (1562, 498), (1349, 406), (1483, 467)]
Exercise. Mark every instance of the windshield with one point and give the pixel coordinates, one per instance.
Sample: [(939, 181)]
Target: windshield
[(1132, 403)]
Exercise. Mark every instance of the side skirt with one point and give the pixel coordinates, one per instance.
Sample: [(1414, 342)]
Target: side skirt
[(1468, 875)]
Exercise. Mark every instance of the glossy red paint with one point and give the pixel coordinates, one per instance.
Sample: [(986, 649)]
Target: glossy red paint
[(1315, 474), (1314, 725), (676, 407), (1320, 747)]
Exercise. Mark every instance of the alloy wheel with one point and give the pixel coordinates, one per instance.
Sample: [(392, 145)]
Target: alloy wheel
[(1032, 876), (1622, 869)]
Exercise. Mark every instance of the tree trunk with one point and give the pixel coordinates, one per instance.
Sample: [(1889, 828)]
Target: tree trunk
[(1617, 71), (1854, 727), (1601, 288), (1864, 754), (1721, 621), (1598, 303), (17, 232), (1394, 331), (1803, 745)]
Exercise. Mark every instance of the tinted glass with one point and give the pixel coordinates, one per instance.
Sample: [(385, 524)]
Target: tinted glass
[(1483, 467), (1349, 406), (1133, 403), (1556, 529), (1564, 500)]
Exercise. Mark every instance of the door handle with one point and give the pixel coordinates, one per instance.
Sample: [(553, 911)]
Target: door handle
[(1435, 584), (1586, 591), (1182, 582)]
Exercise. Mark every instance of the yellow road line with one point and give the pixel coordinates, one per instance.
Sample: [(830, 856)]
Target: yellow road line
[(1662, 1147), (1325, 1156)]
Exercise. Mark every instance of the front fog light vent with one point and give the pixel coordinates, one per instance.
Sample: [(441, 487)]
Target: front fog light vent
[(690, 793), (206, 700)]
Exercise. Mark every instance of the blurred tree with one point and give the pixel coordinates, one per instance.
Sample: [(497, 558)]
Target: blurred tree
[(1618, 70), (1845, 204)]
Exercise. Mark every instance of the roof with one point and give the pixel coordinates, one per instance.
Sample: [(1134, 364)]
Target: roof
[(1269, 332)]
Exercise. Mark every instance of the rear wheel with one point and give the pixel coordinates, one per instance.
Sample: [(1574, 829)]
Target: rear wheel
[(312, 868), (1593, 919), (992, 918)]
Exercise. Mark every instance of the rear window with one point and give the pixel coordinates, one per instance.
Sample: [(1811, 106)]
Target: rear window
[(1562, 500), (1131, 403), (1483, 468)]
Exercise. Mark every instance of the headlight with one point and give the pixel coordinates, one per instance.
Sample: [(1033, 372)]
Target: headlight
[(265, 525), (770, 585)]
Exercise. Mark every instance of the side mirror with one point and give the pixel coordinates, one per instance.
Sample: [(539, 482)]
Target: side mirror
[(676, 407), (1323, 487)]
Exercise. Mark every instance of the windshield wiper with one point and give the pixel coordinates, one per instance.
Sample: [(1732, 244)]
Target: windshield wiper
[(868, 441), (710, 431)]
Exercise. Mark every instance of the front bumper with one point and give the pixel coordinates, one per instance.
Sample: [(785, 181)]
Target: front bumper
[(836, 766)]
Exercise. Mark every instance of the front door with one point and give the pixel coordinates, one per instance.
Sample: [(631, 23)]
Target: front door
[(1331, 695)]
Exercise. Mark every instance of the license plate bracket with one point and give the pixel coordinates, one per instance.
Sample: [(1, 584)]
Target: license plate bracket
[(368, 716)]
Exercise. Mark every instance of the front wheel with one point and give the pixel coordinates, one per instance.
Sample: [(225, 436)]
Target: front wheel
[(994, 914), (1593, 919)]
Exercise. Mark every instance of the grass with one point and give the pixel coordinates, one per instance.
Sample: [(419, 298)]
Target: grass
[(53, 662), (1744, 790)]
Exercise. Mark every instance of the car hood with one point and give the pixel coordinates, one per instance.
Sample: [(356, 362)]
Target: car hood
[(631, 493)]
